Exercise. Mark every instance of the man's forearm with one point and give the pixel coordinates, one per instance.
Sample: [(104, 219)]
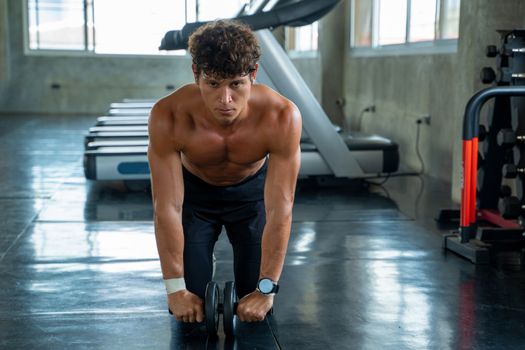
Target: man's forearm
[(274, 245), (170, 243)]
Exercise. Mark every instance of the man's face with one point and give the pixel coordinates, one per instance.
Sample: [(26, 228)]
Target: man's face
[(226, 98)]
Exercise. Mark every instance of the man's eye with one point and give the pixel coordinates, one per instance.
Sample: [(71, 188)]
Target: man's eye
[(212, 84)]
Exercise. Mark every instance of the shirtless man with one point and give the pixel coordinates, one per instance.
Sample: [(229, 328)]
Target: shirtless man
[(223, 151)]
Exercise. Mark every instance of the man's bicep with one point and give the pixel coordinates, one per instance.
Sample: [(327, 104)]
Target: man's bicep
[(281, 178), (164, 160), (166, 178), (284, 160)]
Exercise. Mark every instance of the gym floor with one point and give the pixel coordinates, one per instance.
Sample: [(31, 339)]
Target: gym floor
[(365, 268)]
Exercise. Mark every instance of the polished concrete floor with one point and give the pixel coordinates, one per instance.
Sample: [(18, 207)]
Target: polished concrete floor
[(365, 268)]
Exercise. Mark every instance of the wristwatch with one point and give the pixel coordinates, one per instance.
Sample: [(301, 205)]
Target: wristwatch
[(267, 287)]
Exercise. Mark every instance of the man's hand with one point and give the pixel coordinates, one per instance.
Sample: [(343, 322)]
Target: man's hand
[(186, 306), (254, 307)]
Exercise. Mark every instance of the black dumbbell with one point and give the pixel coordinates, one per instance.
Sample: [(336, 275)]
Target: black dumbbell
[(507, 75), (505, 191), (504, 75), (510, 207), (492, 51), (487, 75), (510, 171), (508, 138), (213, 308), (482, 133)]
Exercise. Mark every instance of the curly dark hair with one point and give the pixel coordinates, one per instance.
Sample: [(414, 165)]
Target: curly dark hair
[(224, 48)]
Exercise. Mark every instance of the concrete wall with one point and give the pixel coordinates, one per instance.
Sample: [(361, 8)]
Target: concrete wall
[(4, 53), (332, 30), (405, 87), (88, 84), (310, 69)]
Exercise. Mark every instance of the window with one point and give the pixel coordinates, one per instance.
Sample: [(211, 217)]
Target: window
[(449, 20), (207, 10), (57, 24), (379, 24), (302, 39), (116, 26)]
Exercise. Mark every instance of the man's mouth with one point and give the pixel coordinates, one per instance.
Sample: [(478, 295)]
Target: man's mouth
[(225, 110)]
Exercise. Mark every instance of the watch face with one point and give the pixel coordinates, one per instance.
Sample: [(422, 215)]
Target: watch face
[(265, 286)]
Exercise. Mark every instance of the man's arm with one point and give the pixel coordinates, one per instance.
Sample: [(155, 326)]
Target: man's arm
[(168, 194), (279, 192), (167, 190)]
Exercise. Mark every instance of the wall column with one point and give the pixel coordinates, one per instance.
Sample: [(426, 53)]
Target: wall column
[(332, 46)]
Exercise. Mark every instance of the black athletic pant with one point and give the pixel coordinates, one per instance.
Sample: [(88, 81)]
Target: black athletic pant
[(207, 208)]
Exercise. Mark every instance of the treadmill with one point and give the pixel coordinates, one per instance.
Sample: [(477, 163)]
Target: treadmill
[(116, 148)]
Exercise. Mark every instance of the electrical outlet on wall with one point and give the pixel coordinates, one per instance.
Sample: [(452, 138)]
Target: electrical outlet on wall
[(424, 119)]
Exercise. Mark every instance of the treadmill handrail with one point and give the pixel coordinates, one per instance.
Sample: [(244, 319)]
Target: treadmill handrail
[(289, 82), (303, 13)]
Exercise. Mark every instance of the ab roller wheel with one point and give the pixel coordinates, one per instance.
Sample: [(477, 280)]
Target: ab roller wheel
[(229, 308), (211, 305), (213, 308)]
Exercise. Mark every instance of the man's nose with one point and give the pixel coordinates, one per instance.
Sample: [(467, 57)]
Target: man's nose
[(225, 96)]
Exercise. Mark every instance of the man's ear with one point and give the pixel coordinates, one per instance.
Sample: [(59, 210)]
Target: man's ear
[(253, 73), (195, 73)]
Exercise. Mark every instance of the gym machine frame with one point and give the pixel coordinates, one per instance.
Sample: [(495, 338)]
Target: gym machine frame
[(463, 242)]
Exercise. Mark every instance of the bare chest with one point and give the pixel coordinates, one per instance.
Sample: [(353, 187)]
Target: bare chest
[(211, 149)]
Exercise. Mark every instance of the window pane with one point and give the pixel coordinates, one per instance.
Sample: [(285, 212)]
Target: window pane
[(392, 21), (56, 24), (213, 9), (450, 19), (191, 11), (362, 18), (302, 38), (90, 26), (135, 27), (422, 20)]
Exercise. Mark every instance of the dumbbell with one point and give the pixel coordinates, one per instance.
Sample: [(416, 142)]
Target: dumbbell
[(505, 191), (510, 207), (511, 171), (508, 138), (487, 75), (506, 75), (492, 51), (482, 133), (213, 308)]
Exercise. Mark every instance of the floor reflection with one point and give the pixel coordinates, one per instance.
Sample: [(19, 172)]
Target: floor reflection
[(365, 268)]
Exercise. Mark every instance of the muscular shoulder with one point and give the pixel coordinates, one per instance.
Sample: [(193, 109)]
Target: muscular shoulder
[(178, 102), (170, 115), (279, 110), (281, 117)]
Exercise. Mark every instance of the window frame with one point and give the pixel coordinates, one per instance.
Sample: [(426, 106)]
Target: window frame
[(86, 52), (293, 53), (429, 47)]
